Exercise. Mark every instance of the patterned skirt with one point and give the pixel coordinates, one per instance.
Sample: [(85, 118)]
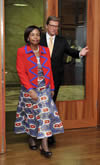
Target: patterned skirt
[(40, 118)]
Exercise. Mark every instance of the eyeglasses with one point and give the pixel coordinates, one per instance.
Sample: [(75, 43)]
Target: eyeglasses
[(54, 26)]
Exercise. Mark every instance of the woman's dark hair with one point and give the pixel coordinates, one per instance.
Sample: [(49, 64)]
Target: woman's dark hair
[(28, 30)]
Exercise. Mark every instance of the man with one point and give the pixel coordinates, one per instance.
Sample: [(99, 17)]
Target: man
[(58, 46)]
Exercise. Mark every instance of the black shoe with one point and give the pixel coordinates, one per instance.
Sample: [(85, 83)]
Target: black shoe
[(51, 140), (32, 144), (33, 147), (47, 154)]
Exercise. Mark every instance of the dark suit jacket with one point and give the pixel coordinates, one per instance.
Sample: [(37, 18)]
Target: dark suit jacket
[(60, 48)]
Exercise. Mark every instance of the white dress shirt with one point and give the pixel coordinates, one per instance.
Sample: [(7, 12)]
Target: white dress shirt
[(48, 37)]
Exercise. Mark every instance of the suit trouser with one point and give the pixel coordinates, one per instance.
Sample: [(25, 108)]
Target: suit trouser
[(57, 84), (56, 92)]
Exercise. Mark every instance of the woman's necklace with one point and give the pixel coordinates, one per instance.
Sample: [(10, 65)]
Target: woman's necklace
[(36, 51)]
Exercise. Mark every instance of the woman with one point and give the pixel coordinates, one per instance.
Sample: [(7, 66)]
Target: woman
[(36, 113)]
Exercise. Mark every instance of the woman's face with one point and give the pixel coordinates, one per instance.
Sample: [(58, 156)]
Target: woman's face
[(34, 37)]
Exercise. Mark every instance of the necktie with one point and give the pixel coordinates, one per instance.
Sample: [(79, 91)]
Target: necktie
[(50, 45)]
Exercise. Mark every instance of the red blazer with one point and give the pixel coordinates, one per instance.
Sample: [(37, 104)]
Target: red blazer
[(27, 67)]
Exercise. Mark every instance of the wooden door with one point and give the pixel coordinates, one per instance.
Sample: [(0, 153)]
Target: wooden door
[(83, 113), (98, 101)]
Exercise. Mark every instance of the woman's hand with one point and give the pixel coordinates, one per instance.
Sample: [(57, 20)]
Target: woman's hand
[(33, 95), (52, 93)]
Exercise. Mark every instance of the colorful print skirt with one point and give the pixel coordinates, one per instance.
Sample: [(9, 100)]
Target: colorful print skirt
[(40, 118)]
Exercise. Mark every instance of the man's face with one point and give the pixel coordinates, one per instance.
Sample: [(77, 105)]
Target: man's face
[(52, 28)]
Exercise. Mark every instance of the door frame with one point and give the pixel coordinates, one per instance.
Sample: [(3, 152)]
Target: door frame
[(2, 80)]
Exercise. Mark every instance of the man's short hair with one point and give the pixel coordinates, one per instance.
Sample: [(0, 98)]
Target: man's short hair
[(52, 18)]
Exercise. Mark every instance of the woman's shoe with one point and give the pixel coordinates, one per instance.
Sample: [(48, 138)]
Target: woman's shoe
[(47, 154), (32, 144), (33, 147)]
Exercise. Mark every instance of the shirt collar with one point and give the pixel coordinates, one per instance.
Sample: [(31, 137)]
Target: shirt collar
[(48, 36)]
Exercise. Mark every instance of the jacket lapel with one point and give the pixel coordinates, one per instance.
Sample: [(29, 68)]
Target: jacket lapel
[(44, 41), (44, 61), (42, 54), (55, 47), (42, 50)]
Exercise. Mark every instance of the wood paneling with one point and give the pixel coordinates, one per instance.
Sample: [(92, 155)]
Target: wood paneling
[(51, 8), (2, 85), (93, 35), (75, 115), (98, 103)]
